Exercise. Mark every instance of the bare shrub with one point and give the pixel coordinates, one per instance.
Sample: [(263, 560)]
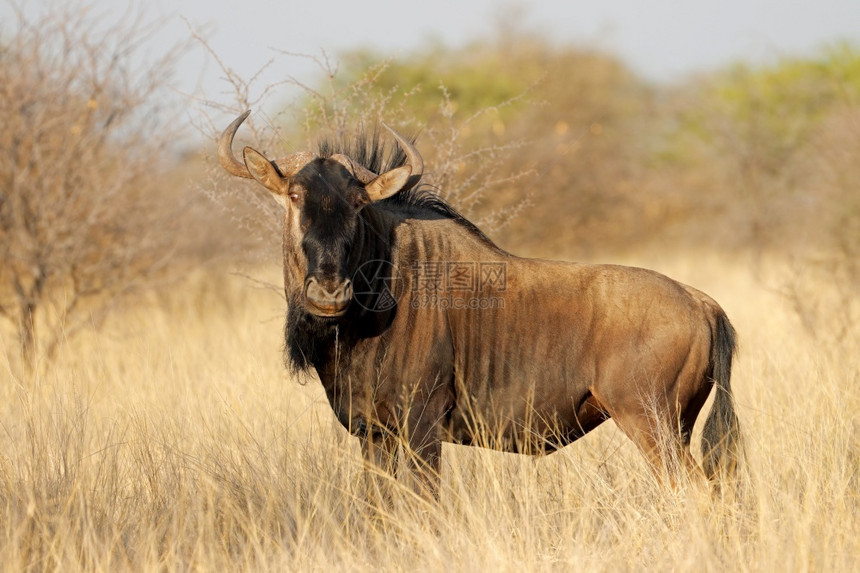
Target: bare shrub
[(83, 144)]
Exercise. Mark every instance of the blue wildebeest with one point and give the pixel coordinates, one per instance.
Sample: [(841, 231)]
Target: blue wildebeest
[(423, 331)]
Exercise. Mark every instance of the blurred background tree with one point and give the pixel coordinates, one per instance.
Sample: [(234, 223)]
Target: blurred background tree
[(85, 142), (752, 130)]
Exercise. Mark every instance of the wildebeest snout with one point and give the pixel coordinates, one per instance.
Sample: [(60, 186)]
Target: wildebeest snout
[(326, 297)]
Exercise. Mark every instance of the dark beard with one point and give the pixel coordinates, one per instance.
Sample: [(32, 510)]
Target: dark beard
[(308, 339)]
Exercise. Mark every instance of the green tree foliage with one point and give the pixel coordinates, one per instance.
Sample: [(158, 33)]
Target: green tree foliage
[(765, 114), (754, 130)]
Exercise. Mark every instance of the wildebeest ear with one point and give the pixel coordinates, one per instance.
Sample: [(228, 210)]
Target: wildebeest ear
[(264, 172), (388, 183)]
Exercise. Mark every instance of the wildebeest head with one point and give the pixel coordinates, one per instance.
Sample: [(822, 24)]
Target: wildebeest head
[(322, 197)]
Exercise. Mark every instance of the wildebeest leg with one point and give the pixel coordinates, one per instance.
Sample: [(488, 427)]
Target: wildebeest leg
[(665, 447), (424, 456), (647, 421), (689, 413), (422, 434), (379, 448), (424, 462)]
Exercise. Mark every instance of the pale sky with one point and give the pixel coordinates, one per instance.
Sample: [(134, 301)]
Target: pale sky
[(662, 40)]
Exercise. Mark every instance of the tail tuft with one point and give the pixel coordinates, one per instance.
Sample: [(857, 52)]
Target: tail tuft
[(721, 435)]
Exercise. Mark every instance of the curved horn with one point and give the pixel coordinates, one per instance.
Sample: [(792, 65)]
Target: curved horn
[(288, 166), (413, 158), (225, 149)]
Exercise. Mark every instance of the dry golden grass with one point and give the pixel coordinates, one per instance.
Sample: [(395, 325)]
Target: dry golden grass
[(174, 440)]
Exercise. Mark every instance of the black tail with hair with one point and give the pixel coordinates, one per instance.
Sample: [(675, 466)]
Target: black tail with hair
[(721, 436)]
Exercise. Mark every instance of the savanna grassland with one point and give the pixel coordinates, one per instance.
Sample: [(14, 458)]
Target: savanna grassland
[(173, 439), (147, 421)]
